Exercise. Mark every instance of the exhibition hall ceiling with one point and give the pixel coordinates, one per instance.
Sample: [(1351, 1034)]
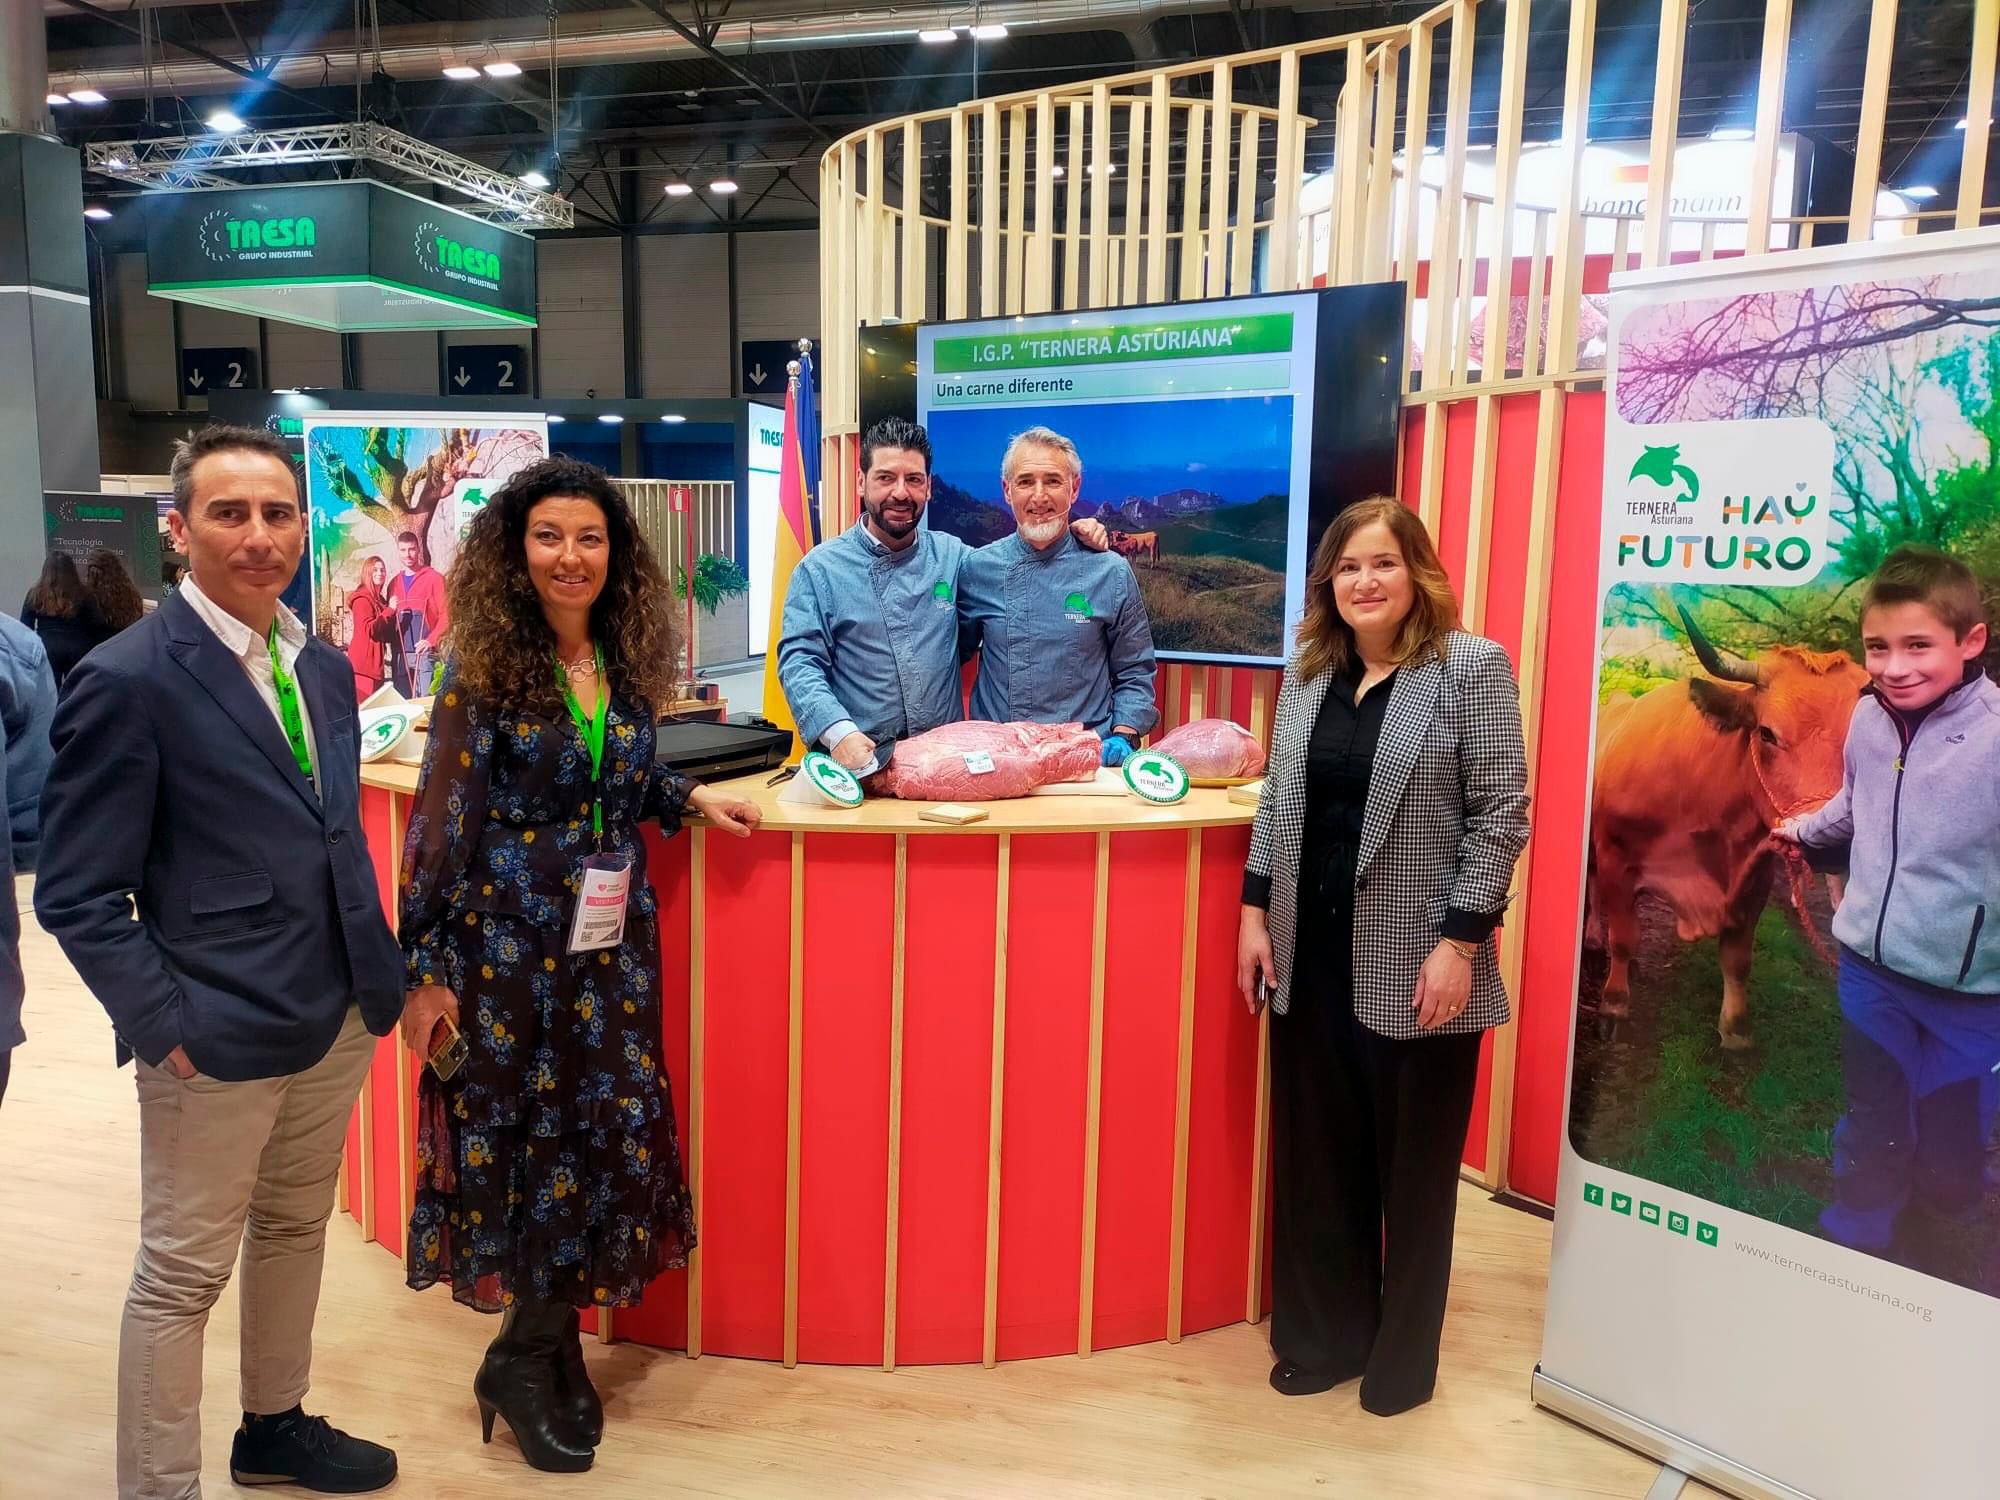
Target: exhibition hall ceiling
[(647, 95)]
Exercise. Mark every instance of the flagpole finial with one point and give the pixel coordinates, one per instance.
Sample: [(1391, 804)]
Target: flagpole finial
[(805, 346), (792, 368)]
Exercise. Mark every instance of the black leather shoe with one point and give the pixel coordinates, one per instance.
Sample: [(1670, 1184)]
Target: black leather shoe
[(517, 1381), (311, 1453), (1289, 1379), (574, 1393)]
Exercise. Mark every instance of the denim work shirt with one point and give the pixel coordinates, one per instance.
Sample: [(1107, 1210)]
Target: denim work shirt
[(870, 637), (1062, 635)]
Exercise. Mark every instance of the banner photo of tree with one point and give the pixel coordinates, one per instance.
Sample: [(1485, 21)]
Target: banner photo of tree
[(389, 498), (1718, 1050)]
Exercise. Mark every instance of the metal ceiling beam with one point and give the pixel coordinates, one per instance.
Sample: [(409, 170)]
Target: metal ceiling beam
[(112, 18), (707, 47)]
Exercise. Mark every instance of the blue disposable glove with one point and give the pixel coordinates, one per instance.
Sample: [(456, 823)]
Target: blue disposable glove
[(1116, 748)]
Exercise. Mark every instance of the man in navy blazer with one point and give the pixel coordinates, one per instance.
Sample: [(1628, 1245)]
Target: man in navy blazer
[(206, 782)]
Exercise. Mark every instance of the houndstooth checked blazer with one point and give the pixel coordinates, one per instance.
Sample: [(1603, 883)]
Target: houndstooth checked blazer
[(1446, 819)]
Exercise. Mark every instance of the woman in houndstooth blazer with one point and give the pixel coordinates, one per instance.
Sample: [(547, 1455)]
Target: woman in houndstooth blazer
[(1393, 811)]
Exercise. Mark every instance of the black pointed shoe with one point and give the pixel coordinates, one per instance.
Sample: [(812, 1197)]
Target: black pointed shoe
[(517, 1381), (575, 1394), (309, 1452)]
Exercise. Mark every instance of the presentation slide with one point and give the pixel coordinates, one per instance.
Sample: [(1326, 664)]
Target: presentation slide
[(1194, 425)]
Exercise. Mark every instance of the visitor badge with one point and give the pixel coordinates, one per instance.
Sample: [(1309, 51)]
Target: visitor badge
[(1155, 777), (600, 903)]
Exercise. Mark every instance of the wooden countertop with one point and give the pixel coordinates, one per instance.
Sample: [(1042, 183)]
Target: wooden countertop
[(1205, 807)]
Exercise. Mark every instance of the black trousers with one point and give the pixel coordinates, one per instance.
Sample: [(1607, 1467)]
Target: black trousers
[(6, 1068), (1366, 1136)]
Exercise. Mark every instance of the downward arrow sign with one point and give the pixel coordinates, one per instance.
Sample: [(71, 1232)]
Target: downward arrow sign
[(194, 379), (757, 373), (462, 378)]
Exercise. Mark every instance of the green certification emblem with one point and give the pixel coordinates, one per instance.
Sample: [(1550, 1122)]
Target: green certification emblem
[(1156, 777), (832, 778), (382, 730)]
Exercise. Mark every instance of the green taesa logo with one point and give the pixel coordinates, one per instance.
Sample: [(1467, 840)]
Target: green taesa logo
[(270, 234), (1077, 607), (226, 237), (941, 591), (467, 258), (1663, 467)]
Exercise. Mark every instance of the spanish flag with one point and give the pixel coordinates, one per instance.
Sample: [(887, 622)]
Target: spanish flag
[(798, 524)]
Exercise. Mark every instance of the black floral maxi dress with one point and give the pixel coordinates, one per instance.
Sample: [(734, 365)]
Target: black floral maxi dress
[(548, 1167)]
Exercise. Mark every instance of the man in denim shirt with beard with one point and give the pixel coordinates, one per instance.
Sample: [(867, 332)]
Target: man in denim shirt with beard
[(868, 648)]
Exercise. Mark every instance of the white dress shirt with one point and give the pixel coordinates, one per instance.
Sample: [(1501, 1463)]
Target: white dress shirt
[(251, 650)]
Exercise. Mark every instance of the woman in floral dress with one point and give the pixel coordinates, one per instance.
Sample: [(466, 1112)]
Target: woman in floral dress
[(548, 1174)]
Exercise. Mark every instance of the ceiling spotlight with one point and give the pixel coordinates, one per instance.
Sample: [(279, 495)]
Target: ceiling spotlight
[(992, 32), (117, 164), (937, 34), (226, 122), (86, 96), (723, 186), (1109, 169), (554, 416), (1732, 133), (461, 71), (501, 69), (97, 211), (1920, 194), (679, 189), (1056, 170), (673, 416), (534, 179), (1963, 124), (55, 99), (609, 418)]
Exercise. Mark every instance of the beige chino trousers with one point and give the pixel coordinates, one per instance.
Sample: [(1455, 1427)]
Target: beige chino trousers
[(223, 1165)]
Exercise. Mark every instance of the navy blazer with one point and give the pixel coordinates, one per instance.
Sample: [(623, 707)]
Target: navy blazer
[(174, 791)]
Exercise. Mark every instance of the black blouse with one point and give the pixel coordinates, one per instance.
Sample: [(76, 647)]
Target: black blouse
[(1340, 765)]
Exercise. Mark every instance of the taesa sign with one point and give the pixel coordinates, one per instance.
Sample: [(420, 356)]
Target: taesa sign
[(229, 239), (439, 253)]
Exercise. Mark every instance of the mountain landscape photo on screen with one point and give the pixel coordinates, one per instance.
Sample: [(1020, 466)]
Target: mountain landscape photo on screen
[(1195, 493)]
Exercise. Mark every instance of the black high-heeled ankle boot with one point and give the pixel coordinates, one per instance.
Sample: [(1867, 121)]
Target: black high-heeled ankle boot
[(574, 1393), (517, 1381)]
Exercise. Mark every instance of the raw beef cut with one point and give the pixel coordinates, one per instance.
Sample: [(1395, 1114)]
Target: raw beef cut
[(983, 762), (1213, 747)]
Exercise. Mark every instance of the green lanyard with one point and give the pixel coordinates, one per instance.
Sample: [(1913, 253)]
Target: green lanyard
[(592, 730), (288, 706)]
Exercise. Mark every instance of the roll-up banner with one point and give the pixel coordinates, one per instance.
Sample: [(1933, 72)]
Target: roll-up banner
[(1777, 1245), (391, 496)]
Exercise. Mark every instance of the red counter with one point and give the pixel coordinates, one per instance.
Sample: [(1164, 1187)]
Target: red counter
[(945, 1094)]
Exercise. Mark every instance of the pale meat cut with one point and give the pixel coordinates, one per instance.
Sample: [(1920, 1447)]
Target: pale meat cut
[(1213, 748), (983, 762)]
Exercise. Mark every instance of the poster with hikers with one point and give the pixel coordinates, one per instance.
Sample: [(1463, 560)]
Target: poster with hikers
[(390, 496), (1789, 990)]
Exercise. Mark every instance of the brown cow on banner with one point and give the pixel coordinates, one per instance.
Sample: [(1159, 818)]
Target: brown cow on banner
[(1690, 779), (1136, 544)]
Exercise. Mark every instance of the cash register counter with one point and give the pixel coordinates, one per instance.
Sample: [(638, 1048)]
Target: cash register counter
[(946, 1094)]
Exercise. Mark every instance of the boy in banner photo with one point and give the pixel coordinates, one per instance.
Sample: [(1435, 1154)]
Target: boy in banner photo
[(1767, 453), (389, 505), (1915, 823)]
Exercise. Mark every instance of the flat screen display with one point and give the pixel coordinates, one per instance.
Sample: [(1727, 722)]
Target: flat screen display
[(1196, 426)]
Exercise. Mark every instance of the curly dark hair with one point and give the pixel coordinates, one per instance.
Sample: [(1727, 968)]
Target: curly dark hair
[(501, 644), (112, 590)]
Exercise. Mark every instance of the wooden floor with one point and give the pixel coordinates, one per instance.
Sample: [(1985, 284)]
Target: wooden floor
[(1194, 1419)]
